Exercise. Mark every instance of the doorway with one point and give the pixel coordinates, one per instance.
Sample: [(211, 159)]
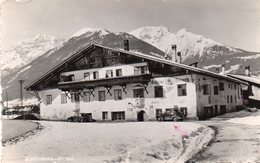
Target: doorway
[(140, 115)]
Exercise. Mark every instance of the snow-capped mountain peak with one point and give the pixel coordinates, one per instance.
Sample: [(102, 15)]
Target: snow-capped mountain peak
[(88, 30), (188, 44), (26, 51), (149, 32)]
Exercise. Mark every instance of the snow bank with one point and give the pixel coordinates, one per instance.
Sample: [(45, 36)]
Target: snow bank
[(250, 57), (112, 142), (252, 120)]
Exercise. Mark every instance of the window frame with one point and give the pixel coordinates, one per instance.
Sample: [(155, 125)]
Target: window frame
[(48, 99), (63, 99), (86, 77), (216, 90), (86, 94), (99, 95), (182, 91), (135, 90), (221, 86), (75, 97), (206, 89), (109, 72), (116, 95), (160, 89), (104, 115), (95, 75), (119, 72), (119, 115)]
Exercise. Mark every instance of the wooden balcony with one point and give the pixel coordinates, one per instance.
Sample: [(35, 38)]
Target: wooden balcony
[(105, 82)]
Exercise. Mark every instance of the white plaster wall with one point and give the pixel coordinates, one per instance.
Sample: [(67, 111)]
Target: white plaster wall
[(58, 111), (221, 98), (126, 71)]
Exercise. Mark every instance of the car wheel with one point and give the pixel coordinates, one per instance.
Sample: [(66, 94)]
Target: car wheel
[(82, 120), (174, 119)]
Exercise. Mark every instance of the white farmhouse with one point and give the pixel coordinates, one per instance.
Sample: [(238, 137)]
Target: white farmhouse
[(110, 84)]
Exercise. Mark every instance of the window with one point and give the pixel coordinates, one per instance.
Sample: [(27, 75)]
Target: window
[(235, 99), (48, 99), (182, 91), (157, 113), (235, 86), (95, 75), (86, 97), (138, 93), (229, 86), (71, 78), (184, 110), (118, 72), (215, 90), (158, 91), (141, 70), (231, 99), (206, 89), (101, 95), (209, 99), (86, 76), (227, 98), (168, 110), (74, 97), (222, 109), (221, 86), (109, 73), (216, 110), (63, 99), (118, 115), (104, 115), (118, 94)]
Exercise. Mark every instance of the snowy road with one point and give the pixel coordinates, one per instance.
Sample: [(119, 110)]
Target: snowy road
[(110, 142), (233, 143)]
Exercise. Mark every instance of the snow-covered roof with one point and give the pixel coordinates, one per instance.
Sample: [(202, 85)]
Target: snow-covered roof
[(251, 80), (138, 54)]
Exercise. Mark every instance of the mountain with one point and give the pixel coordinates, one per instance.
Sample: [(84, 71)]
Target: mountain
[(209, 53), (26, 51), (48, 60)]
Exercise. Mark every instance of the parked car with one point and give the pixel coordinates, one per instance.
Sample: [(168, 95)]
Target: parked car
[(173, 114), (83, 117)]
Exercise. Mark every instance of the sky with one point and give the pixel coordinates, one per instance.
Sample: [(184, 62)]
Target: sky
[(232, 22)]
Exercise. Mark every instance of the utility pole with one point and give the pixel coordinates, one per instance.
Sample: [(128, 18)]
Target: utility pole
[(21, 91), (6, 95)]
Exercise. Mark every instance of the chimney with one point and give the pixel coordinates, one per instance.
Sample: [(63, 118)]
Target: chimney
[(223, 70), (247, 70), (126, 45), (217, 70), (195, 64), (179, 57), (174, 48)]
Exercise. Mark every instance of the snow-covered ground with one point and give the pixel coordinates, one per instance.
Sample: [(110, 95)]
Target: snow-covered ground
[(237, 139), (238, 114), (251, 120), (14, 128), (111, 142)]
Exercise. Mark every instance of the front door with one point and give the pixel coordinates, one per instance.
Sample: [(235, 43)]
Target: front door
[(140, 115)]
